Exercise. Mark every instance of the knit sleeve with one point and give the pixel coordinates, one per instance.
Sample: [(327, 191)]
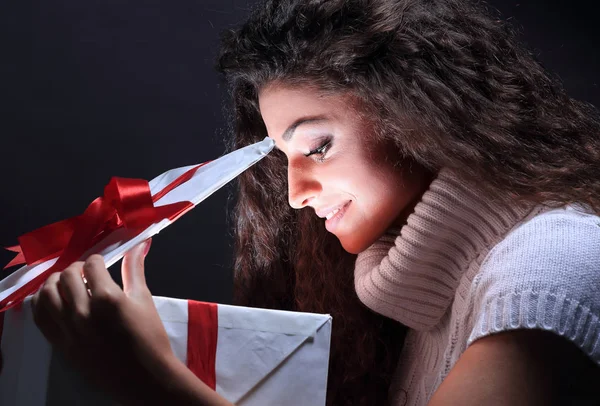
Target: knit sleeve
[(544, 275)]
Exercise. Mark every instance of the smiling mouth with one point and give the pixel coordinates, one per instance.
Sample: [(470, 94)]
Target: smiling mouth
[(332, 219), (335, 211)]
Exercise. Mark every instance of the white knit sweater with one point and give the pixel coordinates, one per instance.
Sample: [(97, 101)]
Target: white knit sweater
[(463, 268)]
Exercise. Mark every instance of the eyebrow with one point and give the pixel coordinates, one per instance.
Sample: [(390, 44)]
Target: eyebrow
[(287, 134)]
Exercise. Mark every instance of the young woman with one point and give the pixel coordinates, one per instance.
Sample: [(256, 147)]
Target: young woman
[(433, 188)]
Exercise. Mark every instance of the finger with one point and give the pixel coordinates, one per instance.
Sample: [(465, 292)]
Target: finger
[(50, 328), (72, 287), (105, 293), (97, 276), (75, 293), (48, 308), (48, 297), (132, 269)]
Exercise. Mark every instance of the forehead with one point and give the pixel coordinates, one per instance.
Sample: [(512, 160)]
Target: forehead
[(280, 105)]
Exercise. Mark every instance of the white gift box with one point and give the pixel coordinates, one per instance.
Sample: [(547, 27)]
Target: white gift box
[(250, 356)]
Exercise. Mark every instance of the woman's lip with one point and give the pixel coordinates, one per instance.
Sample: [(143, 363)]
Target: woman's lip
[(323, 213), (333, 222)]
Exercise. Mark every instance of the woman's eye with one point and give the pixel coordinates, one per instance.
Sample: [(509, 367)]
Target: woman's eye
[(320, 151)]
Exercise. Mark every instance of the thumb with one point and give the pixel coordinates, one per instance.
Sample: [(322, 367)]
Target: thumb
[(132, 269)]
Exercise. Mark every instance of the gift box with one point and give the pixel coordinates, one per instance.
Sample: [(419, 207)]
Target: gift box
[(250, 356)]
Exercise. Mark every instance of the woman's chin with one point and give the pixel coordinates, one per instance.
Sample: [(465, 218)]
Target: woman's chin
[(354, 246)]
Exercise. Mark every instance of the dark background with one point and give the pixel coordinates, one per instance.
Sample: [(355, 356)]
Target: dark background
[(94, 89)]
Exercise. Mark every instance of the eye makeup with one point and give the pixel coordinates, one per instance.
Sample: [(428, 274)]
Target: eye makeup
[(323, 146)]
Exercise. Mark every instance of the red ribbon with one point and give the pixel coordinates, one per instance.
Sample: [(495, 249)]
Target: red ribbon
[(203, 327), (126, 203)]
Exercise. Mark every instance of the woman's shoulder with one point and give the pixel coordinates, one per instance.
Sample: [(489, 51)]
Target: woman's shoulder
[(545, 274), (556, 249), (562, 222), (559, 221)]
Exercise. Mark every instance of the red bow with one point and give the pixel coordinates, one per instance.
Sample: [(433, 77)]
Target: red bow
[(126, 203)]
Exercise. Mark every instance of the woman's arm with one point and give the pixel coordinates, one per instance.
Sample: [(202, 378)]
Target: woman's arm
[(181, 386), (521, 368), (114, 336)]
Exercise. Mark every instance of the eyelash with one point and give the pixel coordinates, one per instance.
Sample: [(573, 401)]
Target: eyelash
[(320, 151)]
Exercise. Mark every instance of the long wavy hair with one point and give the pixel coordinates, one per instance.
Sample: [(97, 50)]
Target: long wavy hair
[(448, 84)]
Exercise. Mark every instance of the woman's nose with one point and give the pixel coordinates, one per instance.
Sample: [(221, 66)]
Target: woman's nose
[(302, 187)]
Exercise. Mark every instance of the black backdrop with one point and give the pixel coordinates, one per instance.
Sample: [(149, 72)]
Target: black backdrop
[(96, 89)]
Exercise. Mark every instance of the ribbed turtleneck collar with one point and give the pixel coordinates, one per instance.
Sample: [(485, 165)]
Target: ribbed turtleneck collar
[(411, 274)]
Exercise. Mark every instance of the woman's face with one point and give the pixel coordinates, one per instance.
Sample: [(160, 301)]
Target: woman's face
[(333, 168)]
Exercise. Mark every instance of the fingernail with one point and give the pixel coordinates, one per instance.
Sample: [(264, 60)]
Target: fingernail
[(147, 247)]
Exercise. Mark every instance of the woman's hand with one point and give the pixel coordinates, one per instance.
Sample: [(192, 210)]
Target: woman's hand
[(114, 336)]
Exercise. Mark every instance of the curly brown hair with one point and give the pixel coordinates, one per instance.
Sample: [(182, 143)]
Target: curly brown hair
[(444, 81)]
